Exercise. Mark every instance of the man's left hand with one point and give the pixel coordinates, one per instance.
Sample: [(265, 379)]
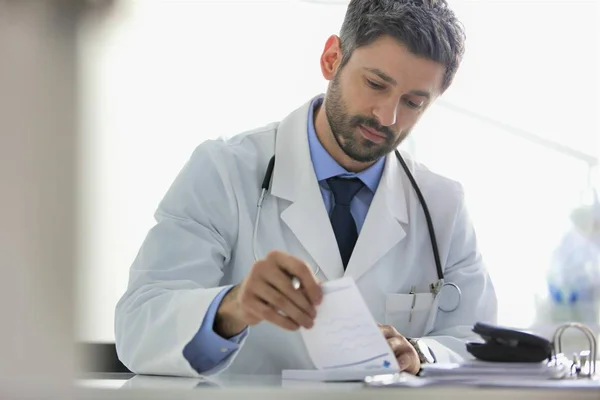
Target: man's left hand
[(407, 356)]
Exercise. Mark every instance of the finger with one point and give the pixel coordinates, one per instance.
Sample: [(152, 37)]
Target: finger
[(307, 297), (408, 362), (389, 331), (299, 269), (397, 345), (280, 302), (282, 282), (267, 313), (302, 271)]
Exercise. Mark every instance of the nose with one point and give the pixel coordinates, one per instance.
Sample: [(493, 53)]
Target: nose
[(386, 113)]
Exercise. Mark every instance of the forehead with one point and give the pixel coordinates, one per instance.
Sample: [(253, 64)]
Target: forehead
[(390, 56)]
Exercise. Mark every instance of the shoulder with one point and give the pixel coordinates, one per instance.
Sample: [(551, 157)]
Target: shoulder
[(222, 168), (246, 147)]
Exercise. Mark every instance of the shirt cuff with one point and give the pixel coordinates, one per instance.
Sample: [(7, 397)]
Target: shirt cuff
[(208, 349)]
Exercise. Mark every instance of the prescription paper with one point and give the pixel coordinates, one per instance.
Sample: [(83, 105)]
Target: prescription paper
[(345, 339)]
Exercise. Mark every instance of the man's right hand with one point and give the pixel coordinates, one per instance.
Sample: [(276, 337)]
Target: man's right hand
[(267, 294)]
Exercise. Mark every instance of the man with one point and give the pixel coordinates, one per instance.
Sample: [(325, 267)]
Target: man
[(339, 204)]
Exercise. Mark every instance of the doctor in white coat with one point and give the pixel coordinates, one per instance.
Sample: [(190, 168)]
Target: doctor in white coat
[(199, 303)]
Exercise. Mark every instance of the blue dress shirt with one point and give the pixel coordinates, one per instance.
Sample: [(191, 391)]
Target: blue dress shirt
[(207, 349)]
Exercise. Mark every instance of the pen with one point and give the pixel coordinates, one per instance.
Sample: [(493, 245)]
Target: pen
[(414, 300), (295, 283)]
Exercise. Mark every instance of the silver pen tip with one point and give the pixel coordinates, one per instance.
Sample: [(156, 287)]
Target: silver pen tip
[(296, 283)]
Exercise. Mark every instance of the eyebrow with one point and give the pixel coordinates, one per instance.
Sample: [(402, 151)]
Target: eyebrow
[(420, 93), (382, 75), (392, 81)]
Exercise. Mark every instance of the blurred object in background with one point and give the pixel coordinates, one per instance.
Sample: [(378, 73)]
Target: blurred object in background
[(574, 274), (573, 277)]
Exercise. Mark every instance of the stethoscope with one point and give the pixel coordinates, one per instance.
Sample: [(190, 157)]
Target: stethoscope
[(450, 293)]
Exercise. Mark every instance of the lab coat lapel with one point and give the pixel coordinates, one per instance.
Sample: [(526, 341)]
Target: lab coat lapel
[(382, 229), (294, 179)]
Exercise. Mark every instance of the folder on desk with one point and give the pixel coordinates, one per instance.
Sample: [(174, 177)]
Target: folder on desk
[(490, 381), (557, 371)]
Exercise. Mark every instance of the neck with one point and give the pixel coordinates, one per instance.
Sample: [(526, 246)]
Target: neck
[(325, 136)]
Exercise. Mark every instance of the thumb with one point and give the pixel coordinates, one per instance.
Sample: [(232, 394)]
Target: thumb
[(408, 364)]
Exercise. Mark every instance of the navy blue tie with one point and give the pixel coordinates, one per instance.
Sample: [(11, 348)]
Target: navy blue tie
[(342, 221)]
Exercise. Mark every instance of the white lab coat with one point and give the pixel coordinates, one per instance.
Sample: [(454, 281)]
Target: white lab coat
[(203, 241)]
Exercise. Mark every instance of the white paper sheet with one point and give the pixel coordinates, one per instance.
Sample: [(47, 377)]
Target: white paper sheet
[(345, 336), (331, 375), (497, 370)]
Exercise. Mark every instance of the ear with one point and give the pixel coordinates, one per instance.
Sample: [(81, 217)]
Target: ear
[(331, 57)]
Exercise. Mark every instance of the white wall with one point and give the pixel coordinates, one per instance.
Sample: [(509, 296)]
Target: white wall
[(166, 75)]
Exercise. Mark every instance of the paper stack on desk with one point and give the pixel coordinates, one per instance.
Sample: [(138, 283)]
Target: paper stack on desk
[(345, 343), (484, 370)]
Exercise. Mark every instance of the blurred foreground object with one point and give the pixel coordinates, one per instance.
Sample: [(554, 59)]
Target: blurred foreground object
[(38, 174)]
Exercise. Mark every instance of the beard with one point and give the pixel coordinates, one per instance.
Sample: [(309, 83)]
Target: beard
[(345, 129)]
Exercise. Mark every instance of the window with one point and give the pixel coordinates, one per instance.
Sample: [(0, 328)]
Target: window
[(162, 76)]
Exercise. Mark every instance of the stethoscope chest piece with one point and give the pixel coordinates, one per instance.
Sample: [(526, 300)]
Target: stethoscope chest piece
[(449, 297)]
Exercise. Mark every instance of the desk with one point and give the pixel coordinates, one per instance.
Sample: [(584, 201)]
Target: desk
[(261, 387)]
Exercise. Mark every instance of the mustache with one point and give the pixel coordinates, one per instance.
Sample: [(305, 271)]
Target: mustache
[(373, 124)]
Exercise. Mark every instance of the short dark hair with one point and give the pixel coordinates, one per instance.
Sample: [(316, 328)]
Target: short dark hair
[(428, 28)]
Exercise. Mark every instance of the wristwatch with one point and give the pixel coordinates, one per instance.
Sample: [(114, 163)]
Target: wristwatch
[(425, 354)]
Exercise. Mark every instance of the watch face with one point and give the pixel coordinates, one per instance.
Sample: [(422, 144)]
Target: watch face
[(424, 353)]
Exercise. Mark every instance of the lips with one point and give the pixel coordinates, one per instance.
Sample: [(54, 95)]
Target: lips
[(373, 132), (372, 135)]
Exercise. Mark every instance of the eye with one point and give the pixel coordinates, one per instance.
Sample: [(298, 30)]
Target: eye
[(374, 85), (413, 105)]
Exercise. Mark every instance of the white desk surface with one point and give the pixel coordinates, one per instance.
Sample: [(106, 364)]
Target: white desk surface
[(251, 387)]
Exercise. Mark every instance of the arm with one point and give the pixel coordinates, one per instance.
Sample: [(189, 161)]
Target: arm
[(175, 277)]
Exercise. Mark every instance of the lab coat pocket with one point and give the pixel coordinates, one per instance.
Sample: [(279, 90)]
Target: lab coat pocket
[(408, 313)]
